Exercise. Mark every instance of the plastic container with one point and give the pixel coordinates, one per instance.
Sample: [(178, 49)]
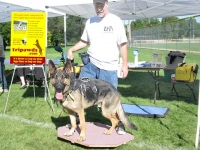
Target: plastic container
[(118, 71), (168, 74), (136, 53), (175, 63), (156, 60), (172, 78)]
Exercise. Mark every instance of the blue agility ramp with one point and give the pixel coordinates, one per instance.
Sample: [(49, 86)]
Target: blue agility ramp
[(145, 111)]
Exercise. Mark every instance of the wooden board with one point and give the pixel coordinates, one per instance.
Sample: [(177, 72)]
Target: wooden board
[(95, 136)]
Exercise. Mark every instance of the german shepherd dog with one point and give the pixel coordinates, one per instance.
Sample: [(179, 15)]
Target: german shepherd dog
[(76, 95)]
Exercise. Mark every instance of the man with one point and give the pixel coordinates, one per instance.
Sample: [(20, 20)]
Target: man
[(106, 36), (3, 81)]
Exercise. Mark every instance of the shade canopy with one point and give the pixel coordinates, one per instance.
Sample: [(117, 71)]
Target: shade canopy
[(8, 6), (125, 9), (132, 9)]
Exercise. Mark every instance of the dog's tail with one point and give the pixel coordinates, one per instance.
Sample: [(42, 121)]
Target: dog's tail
[(123, 118)]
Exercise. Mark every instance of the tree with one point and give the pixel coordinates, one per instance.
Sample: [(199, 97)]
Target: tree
[(138, 23), (196, 28), (154, 21), (5, 31), (169, 28), (169, 19), (74, 29), (142, 23), (75, 26), (56, 29)]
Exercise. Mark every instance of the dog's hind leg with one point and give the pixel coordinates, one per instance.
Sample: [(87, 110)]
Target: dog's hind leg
[(72, 116), (114, 122), (109, 111)]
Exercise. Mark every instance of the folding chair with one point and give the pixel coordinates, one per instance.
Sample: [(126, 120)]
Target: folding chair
[(189, 84)]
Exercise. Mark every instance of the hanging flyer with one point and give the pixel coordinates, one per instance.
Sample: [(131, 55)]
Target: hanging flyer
[(28, 38)]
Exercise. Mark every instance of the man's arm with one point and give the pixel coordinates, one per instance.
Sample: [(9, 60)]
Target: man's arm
[(81, 44), (124, 54)]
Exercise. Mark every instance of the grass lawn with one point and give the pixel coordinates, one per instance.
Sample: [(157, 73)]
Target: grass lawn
[(30, 124), (188, 47)]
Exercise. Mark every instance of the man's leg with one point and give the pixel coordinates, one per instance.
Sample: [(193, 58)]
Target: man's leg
[(109, 76), (5, 84), (89, 71), (1, 77), (1, 73)]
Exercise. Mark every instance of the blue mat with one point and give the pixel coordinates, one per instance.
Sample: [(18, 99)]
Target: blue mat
[(145, 111)]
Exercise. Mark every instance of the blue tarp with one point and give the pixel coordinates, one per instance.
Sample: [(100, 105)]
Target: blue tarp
[(146, 111)]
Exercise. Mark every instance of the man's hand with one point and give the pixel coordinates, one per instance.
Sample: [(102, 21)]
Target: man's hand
[(70, 55), (124, 71), (124, 54), (81, 44)]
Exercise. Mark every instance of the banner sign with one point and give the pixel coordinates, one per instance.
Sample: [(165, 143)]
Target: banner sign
[(28, 38)]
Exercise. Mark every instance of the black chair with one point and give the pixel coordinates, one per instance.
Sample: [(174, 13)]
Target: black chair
[(63, 54), (36, 76), (179, 84)]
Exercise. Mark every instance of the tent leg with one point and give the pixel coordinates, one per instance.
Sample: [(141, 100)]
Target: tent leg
[(9, 90), (46, 85)]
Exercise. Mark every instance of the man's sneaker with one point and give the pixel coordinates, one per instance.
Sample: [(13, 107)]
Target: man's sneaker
[(120, 128), (68, 126), (3, 90)]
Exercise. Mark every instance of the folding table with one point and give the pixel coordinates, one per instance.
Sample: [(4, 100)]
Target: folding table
[(154, 71)]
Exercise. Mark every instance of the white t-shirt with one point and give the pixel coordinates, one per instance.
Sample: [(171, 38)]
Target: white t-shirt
[(1, 47), (104, 35)]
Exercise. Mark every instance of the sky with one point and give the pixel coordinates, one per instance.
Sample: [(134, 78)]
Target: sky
[(180, 17), (197, 18)]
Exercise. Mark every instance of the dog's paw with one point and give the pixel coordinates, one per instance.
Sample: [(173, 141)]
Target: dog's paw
[(107, 132), (81, 138), (70, 133)]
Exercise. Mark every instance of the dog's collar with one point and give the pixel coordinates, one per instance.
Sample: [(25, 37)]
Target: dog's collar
[(69, 89), (68, 94)]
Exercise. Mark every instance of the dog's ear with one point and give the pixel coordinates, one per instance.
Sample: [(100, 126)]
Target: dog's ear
[(68, 67), (52, 66)]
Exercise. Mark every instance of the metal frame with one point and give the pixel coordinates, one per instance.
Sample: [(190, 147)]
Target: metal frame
[(190, 85), (46, 85)]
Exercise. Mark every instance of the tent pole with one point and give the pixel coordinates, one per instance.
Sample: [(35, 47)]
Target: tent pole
[(129, 33), (198, 121), (65, 33)]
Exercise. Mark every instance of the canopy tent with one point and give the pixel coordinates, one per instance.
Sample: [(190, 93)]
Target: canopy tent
[(6, 8), (125, 9), (131, 9)]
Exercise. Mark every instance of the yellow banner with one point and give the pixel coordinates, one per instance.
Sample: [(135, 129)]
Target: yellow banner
[(28, 38)]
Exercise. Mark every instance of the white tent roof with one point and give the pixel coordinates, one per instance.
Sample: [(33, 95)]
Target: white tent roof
[(125, 9), (131, 9), (8, 6)]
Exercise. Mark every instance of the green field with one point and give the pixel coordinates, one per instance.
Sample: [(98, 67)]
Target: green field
[(187, 47), (30, 124)]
